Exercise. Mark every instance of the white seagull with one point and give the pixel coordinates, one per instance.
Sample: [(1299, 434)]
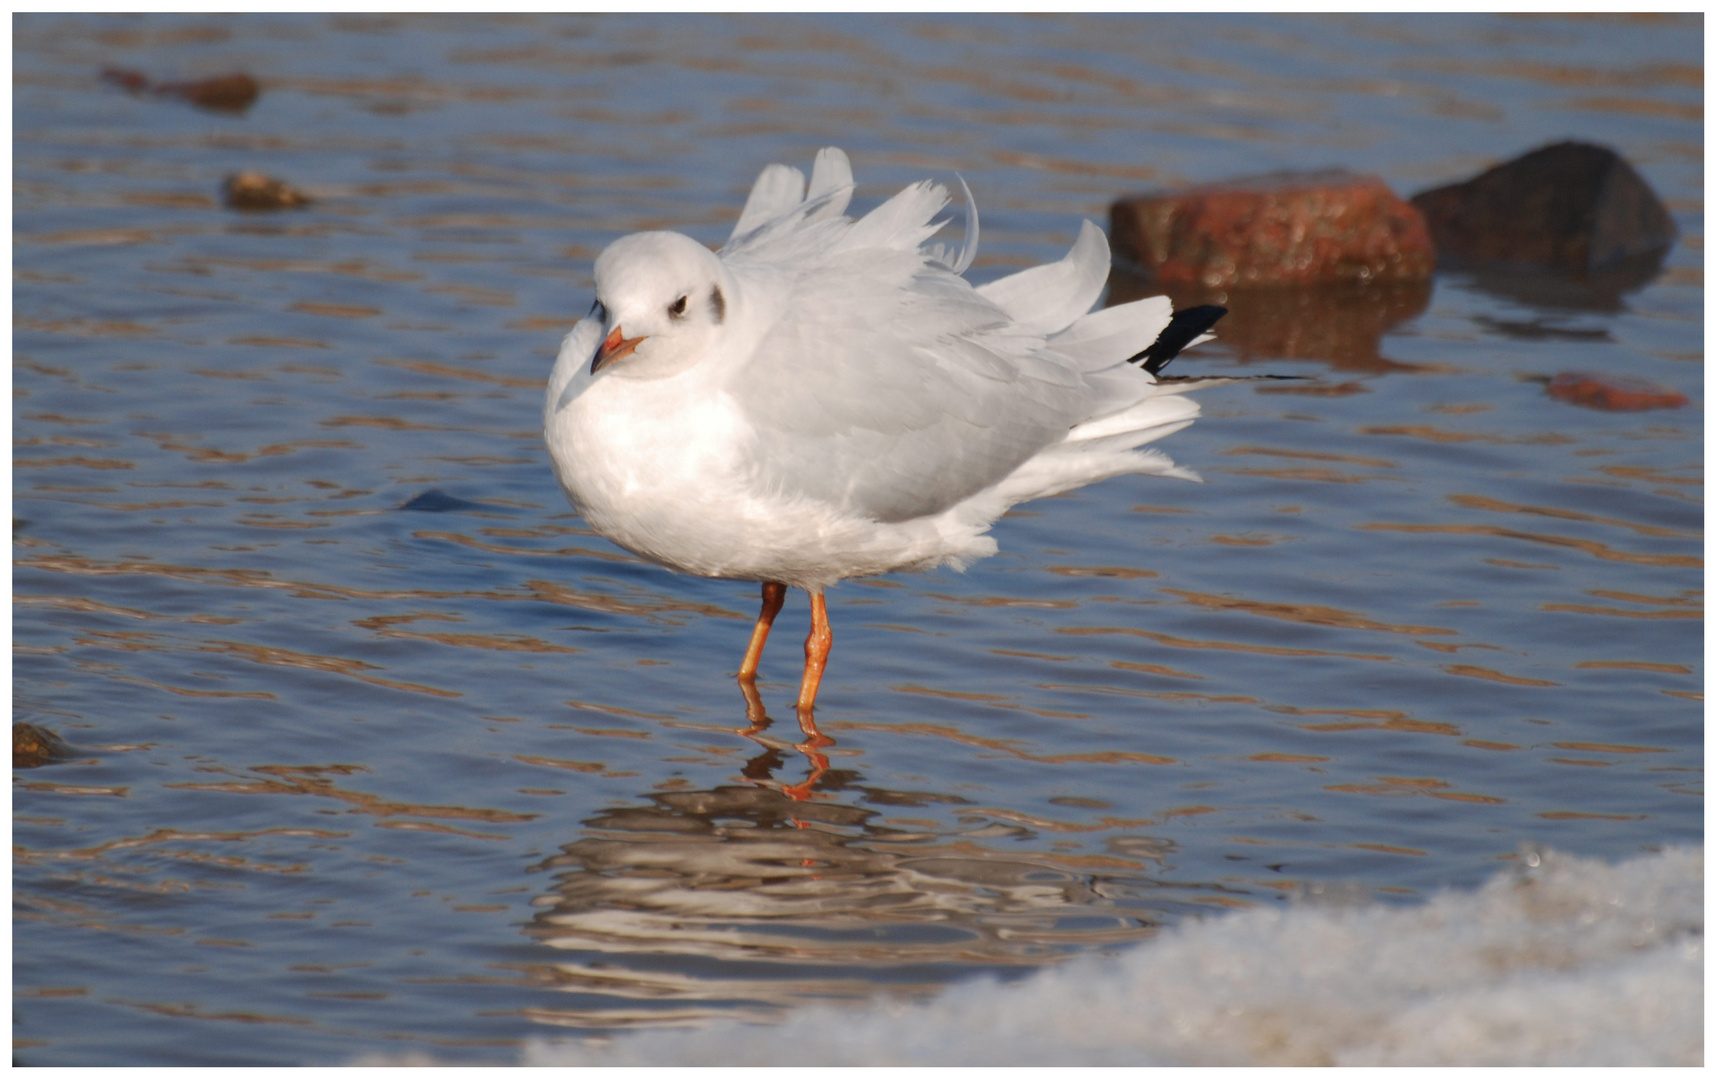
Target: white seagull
[(825, 398)]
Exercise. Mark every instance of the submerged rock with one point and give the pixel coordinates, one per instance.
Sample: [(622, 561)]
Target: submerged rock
[(434, 501), (255, 191), (1285, 228), (222, 93), (34, 746), (132, 82), (1571, 207), (1613, 393)]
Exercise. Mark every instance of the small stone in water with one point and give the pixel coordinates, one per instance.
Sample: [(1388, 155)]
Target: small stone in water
[(134, 82), (34, 746), (1615, 393), (223, 93), (255, 191)]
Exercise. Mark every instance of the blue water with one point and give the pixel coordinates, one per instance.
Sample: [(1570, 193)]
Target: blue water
[(357, 774)]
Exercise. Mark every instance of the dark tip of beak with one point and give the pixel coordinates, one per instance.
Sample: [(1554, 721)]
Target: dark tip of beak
[(615, 347)]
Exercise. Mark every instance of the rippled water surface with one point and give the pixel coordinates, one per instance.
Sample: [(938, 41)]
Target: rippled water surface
[(374, 748)]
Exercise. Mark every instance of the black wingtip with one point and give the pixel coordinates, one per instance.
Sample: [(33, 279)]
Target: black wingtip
[(1177, 335)]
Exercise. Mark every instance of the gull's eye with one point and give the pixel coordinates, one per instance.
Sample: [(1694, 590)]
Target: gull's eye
[(678, 308)]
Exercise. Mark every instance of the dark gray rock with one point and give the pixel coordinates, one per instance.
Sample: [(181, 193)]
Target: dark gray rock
[(1570, 207)]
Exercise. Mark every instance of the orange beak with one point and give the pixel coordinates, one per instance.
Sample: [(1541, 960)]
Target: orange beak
[(614, 348)]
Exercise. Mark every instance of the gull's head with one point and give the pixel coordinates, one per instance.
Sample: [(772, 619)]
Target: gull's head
[(662, 299)]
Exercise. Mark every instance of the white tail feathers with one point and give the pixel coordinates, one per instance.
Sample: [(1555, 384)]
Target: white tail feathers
[(1143, 422), (1114, 335)]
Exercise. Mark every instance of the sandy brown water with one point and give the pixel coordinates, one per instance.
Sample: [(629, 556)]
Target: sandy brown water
[(375, 748)]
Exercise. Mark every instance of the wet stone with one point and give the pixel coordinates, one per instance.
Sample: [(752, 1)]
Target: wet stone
[(256, 192), (1572, 207), (1285, 228), (222, 93), (134, 82), (33, 747), (1613, 393)]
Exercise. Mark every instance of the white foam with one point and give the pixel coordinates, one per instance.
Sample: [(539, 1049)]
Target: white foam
[(1569, 962)]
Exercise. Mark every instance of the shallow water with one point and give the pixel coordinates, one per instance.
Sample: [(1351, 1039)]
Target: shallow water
[(378, 750)]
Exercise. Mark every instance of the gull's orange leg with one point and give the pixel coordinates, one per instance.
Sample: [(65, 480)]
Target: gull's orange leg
[(817, 645), (774, 595)]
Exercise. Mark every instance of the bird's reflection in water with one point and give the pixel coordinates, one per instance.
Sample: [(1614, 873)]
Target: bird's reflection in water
[(761, 769), (747, 897)]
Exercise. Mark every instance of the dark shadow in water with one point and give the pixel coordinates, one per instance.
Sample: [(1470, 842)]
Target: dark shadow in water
[(1342, 325), (434, 501), (1541, 328), (1604, 291)]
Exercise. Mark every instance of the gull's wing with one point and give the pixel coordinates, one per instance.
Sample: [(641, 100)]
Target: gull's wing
[(889, 389), (887, 386)]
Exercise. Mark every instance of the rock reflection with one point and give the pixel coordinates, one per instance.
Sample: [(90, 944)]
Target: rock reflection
[(1342, 325), (1600, 291), (745, 898)]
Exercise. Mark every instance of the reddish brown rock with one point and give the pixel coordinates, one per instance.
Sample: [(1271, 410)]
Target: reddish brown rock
[(1314, 228), (1571, 207), (224, 93), (1614, 393), (255, 191)]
